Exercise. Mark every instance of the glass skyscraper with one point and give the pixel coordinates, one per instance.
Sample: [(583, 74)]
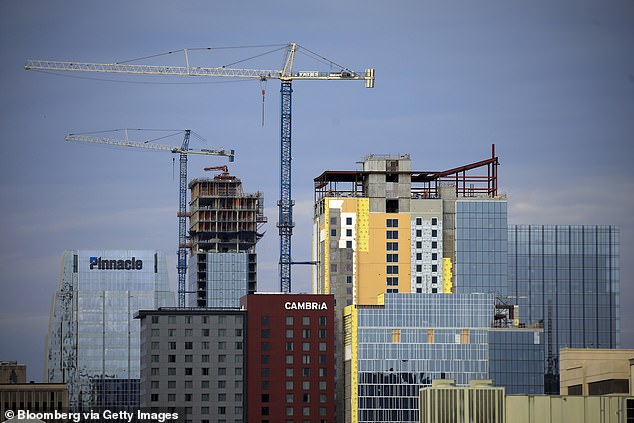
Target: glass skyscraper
[(93, 339), (567, 276), (393, 349), (481, 246)]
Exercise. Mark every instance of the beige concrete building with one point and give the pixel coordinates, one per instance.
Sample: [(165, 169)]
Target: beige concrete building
[(36, 397), (12, 372), (596, 371), (568, 409)]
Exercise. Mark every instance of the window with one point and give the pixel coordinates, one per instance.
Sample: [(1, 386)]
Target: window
[(419, 244), (222, 384), (434, 244), (155, 358), (392, 291), (289, 385), (322, 385), (156, 332), (238, 345), (348, 244), (204, 358), (322, 320), (348, 232), (392, 270), (188, 319), (305, 359), (265, 333), (434, 221), (333, 232), (430, 336), (171, 371), (465, 337), (237, 371), (221, 410), (171, 320), (264, 321), (434, 279), (265, 372), (154, 384), (289, 398), (434, 267), (391, 234), (188, 371), (419, 233), (155, 319), (323, 359), (306, 385), (322, 346), (189, 345), (171, 332), (222, 371), (205, 319), (189, 332), (289, 411), (396, 336), (264, 411), (188, 397), (419, 256), (222, 345), (434, 233), (238, 332), (419, 279), (265, 359), (306, 320), (419, 221), (204, 345), (189, 358), (434, 256), (289, 372), (289, 320), (289, 359), (305, 333), (204, 371), (222, 332), (171, 397), (222, 358), (392, 281), (322, 333), (419, 267), (171, 384), (290, 346), (290, 333), (391, 223), (348, 279), (170, 358), (392, 258), (391, 246), (305, 371), (322, 372), (188, 384)]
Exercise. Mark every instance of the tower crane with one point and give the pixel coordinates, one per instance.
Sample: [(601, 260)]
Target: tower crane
[(285, 75), (183, 151)]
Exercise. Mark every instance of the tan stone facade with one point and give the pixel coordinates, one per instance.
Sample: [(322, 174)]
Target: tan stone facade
[(586, 371)]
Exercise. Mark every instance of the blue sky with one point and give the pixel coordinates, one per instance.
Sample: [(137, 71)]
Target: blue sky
[(550, 83)]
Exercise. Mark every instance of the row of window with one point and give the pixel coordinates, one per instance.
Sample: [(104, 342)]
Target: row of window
[(204, 358), (290, 411), (204, 371), (187, 397), (290, 385), (290, 372), (204, 345), (290, 320), (221, 320), (204, 384), (172, 332)]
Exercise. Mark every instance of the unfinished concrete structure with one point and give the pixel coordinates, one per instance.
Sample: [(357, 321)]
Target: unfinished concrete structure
[(223, 229)]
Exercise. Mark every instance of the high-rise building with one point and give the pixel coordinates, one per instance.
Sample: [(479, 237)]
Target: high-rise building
[(290, 345), (93, 339), (193, 363), (567, 277), (389, 229), (224, 224)]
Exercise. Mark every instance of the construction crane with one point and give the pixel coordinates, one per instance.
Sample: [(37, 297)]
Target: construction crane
[(286, 75), (183, 151)]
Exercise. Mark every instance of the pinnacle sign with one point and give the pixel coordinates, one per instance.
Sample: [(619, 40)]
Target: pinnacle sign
[(105, 264)]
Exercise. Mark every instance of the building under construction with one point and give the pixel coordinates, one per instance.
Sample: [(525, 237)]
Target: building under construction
[(224, 228)]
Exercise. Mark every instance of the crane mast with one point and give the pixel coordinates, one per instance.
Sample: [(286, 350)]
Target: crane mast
[(286, 75), (183, 151)]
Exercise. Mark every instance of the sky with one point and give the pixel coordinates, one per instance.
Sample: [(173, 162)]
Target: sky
[(550, 83)]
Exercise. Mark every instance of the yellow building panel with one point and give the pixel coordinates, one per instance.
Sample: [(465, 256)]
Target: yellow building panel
[(351, 348), (447, 274), (372, 264), (363, 222), (326, 257)]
